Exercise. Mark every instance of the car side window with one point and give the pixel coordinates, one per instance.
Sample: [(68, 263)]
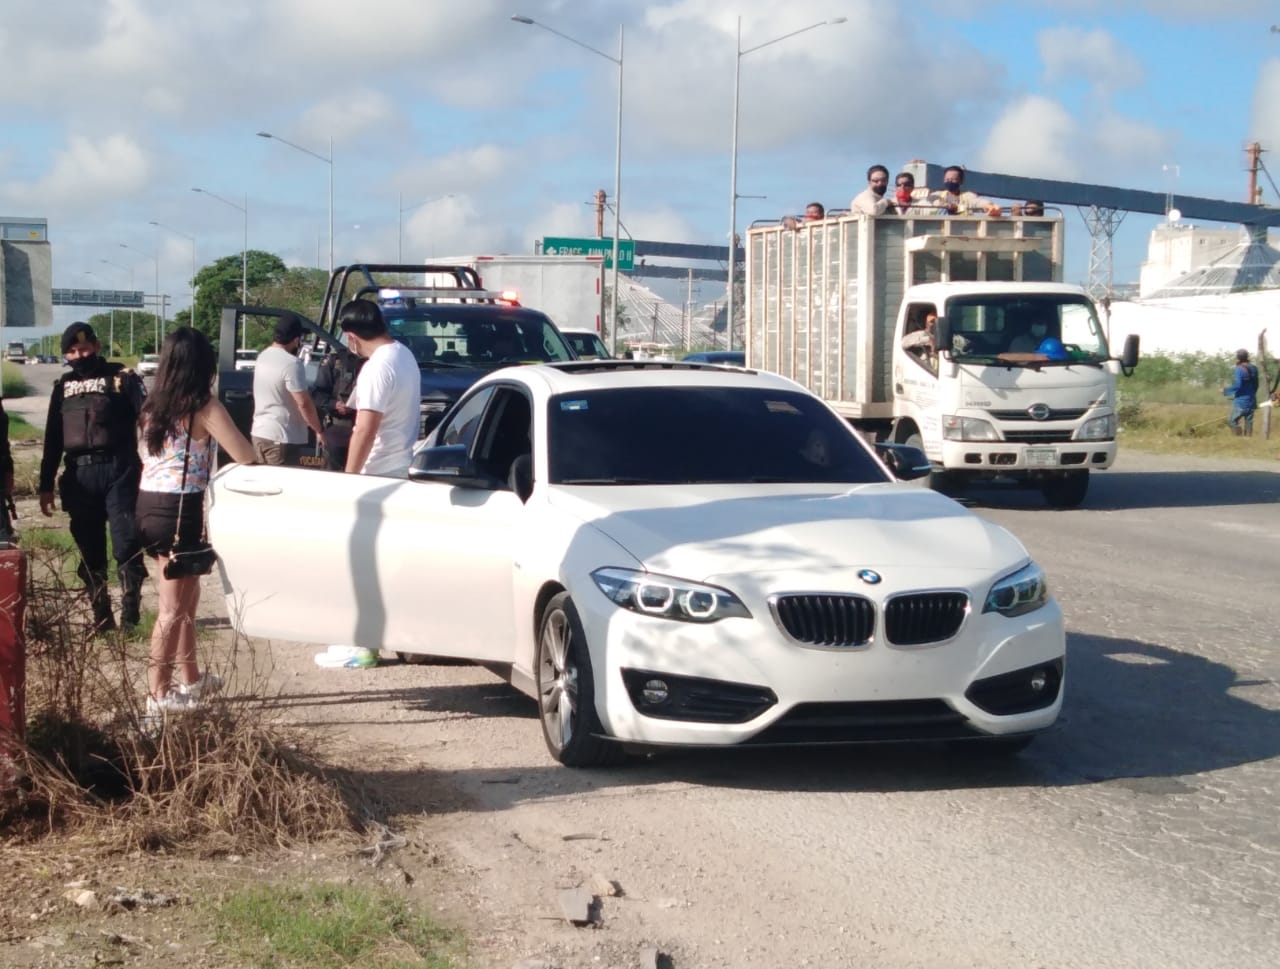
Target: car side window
[(462, 425), (506, 433)]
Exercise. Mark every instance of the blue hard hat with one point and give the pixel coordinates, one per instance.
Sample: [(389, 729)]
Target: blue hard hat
[(1052, 348)]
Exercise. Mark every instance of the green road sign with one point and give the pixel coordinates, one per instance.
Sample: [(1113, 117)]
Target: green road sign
[(559, 246)]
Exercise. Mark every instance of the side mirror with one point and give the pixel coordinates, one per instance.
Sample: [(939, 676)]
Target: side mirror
[(906, 462), (449, 463), (942, 333), (1129, 359)]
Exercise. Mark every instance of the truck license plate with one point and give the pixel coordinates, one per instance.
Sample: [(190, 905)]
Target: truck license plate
[(1041, 457)]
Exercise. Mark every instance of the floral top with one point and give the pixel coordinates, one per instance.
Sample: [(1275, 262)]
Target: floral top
[(163, 472)]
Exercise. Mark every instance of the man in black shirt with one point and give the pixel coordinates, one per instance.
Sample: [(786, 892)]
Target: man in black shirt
[(335, 380), (93, 419)]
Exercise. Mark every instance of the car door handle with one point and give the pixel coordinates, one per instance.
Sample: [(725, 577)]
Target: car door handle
[(258, 490), (897, 388), (238, 394)]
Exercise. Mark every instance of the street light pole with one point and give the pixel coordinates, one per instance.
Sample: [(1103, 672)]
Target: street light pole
[(401, 209), (192, 240), (159, 303), (328, 161), (731, 300), (129, 270), (617, 165), (244, 254)]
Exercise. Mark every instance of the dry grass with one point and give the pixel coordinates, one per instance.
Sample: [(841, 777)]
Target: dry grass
[(1196, 429), (226, 777)]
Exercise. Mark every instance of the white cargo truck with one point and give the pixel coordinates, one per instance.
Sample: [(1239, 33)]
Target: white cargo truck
[(1017, 380), (569, 289)]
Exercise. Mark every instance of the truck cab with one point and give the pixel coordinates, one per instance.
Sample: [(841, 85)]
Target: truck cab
[(954, 334)]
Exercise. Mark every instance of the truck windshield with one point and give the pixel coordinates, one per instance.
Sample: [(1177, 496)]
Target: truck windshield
[(480, 335), (1051, 327)]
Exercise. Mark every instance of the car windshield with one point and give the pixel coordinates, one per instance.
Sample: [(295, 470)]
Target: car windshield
[(482, 335), (587, 345), (686, 435), (983, 326)]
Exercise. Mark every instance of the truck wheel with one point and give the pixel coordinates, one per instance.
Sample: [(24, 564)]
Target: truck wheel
[(935, 480), (566, 691), (1066, 490)]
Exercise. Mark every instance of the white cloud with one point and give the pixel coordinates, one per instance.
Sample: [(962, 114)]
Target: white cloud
[(87, 175), (1033, 137), (1094, 57), (1264, 125)]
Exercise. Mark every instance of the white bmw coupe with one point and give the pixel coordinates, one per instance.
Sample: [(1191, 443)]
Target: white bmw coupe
[(661, 553)]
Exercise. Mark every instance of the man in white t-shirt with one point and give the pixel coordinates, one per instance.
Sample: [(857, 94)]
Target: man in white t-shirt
[(387, 397), (282, 408)]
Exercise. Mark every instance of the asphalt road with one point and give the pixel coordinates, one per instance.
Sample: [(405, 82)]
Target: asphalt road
[(1142, 832)]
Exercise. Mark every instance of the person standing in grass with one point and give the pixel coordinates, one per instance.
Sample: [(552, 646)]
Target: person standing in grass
[(181, 424), (1244, 395)]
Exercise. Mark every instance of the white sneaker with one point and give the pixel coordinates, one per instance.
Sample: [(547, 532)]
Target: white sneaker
[(347, 657), (196, 692)]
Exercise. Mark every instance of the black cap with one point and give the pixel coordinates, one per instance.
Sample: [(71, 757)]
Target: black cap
[(1240, 354), (288, 328), (78, 333)]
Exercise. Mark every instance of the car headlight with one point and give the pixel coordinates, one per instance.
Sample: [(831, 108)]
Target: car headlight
[(1098, 429), (668, 598), (1024, 591), (967, 429)]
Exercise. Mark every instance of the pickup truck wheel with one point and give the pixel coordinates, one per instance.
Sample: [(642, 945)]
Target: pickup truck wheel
[(566, 690), (1066, 489)]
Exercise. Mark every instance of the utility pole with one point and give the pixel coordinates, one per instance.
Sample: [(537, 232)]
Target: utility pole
[(600, 197), (1254, 153)]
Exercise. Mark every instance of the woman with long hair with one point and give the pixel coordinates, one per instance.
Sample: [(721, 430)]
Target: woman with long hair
[(180, 426)]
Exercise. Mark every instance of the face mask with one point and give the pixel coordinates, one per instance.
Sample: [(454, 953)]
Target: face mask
[(84, 366), (879, 189), (904, 194), (953, 187)]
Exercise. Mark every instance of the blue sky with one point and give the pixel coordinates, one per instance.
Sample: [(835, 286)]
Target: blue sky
[(114, 109)]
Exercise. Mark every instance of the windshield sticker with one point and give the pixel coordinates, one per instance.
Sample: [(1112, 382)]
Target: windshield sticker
[(780, 407), (573, 405)]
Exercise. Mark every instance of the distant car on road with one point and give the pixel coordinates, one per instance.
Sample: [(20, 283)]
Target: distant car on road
[(662, 554), (148, 365), (728, 358), (586, 344)]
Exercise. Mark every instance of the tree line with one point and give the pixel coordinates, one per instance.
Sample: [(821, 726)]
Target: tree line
[(270, 283)]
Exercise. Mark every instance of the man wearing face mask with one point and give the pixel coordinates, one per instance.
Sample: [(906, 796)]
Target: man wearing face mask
[(954, 200), (871, 200), (282, 407), (93, 416)]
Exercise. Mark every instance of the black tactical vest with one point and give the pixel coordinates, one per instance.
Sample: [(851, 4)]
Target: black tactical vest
[(98, 413)]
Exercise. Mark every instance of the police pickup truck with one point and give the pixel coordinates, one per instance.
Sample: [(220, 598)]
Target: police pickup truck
[(457, 333)]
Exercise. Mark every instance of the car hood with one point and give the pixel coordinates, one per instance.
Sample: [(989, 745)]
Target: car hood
[(705, 530)]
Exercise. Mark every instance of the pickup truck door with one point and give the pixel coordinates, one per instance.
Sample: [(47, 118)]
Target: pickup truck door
[(387, 563)]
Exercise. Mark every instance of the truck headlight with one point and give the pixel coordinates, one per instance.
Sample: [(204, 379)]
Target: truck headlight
[(668, 598), (1098, 429), (967, 429), (1024, 591)]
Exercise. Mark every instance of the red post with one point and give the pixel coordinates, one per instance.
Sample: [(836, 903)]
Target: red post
[(13, 647)]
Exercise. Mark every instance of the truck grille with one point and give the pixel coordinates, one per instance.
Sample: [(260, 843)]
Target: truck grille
[(924, 617), (1038, 437), (1055, 414), (826, 620)]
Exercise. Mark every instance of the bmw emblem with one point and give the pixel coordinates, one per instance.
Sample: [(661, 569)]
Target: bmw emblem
[(1039, 412), (869, 576)]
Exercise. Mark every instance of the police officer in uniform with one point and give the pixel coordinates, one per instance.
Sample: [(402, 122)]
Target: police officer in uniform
[(335, 380), (93, 418)]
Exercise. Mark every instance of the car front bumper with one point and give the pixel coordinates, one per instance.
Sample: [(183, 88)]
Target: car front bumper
[(744, 681)]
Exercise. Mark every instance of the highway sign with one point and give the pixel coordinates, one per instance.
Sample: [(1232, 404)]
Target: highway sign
[(562, 246)]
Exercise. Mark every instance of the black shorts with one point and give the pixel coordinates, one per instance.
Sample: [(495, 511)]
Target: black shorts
[(157, 514)]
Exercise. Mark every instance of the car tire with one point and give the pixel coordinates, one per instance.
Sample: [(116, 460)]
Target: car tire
[(566, 690)]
